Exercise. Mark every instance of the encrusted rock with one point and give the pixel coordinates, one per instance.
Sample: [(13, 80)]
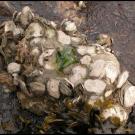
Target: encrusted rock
[(62, 64)]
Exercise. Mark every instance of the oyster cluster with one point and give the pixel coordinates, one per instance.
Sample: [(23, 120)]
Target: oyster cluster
[(54, 66)]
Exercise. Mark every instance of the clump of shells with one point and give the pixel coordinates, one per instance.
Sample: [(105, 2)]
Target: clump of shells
[(53, 65)]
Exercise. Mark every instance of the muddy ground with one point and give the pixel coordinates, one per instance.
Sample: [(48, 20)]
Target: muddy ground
[(116, 18)]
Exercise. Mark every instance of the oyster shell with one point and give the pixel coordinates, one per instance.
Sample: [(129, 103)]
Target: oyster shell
[(82, 4), (83, 50), (33, 105), (45, 54), (63, 38), (53, 88), (115, 111), (37, 88), (112, 66), (78, 74), (24, 17), (14, 68), (23, 88), (104, 40), (122, 79), (108, 93), (53, 24), (37, 42), (97, 68), (127, 95), (111, 72), (85, 60), (76, 40), (35, 51), (95, 86), (69, 27), (34, 30), (18, 31), (65, 87), (9, 27)]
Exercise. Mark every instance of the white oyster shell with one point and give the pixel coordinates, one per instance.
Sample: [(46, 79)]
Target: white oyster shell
[(40, 42), (95, 86), (98, 68), (128, 93), (34, 30), (53, 88), (122, 79), (9, 27), (35, 51), (26, 16), (18, 31), (70, 26), (108, 93), (83, 50), (85, 60), (45, 54), (78, 74), (14, 68), (111, 69), (115, 111), (75, 40), (82, 4), (63, 38)]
